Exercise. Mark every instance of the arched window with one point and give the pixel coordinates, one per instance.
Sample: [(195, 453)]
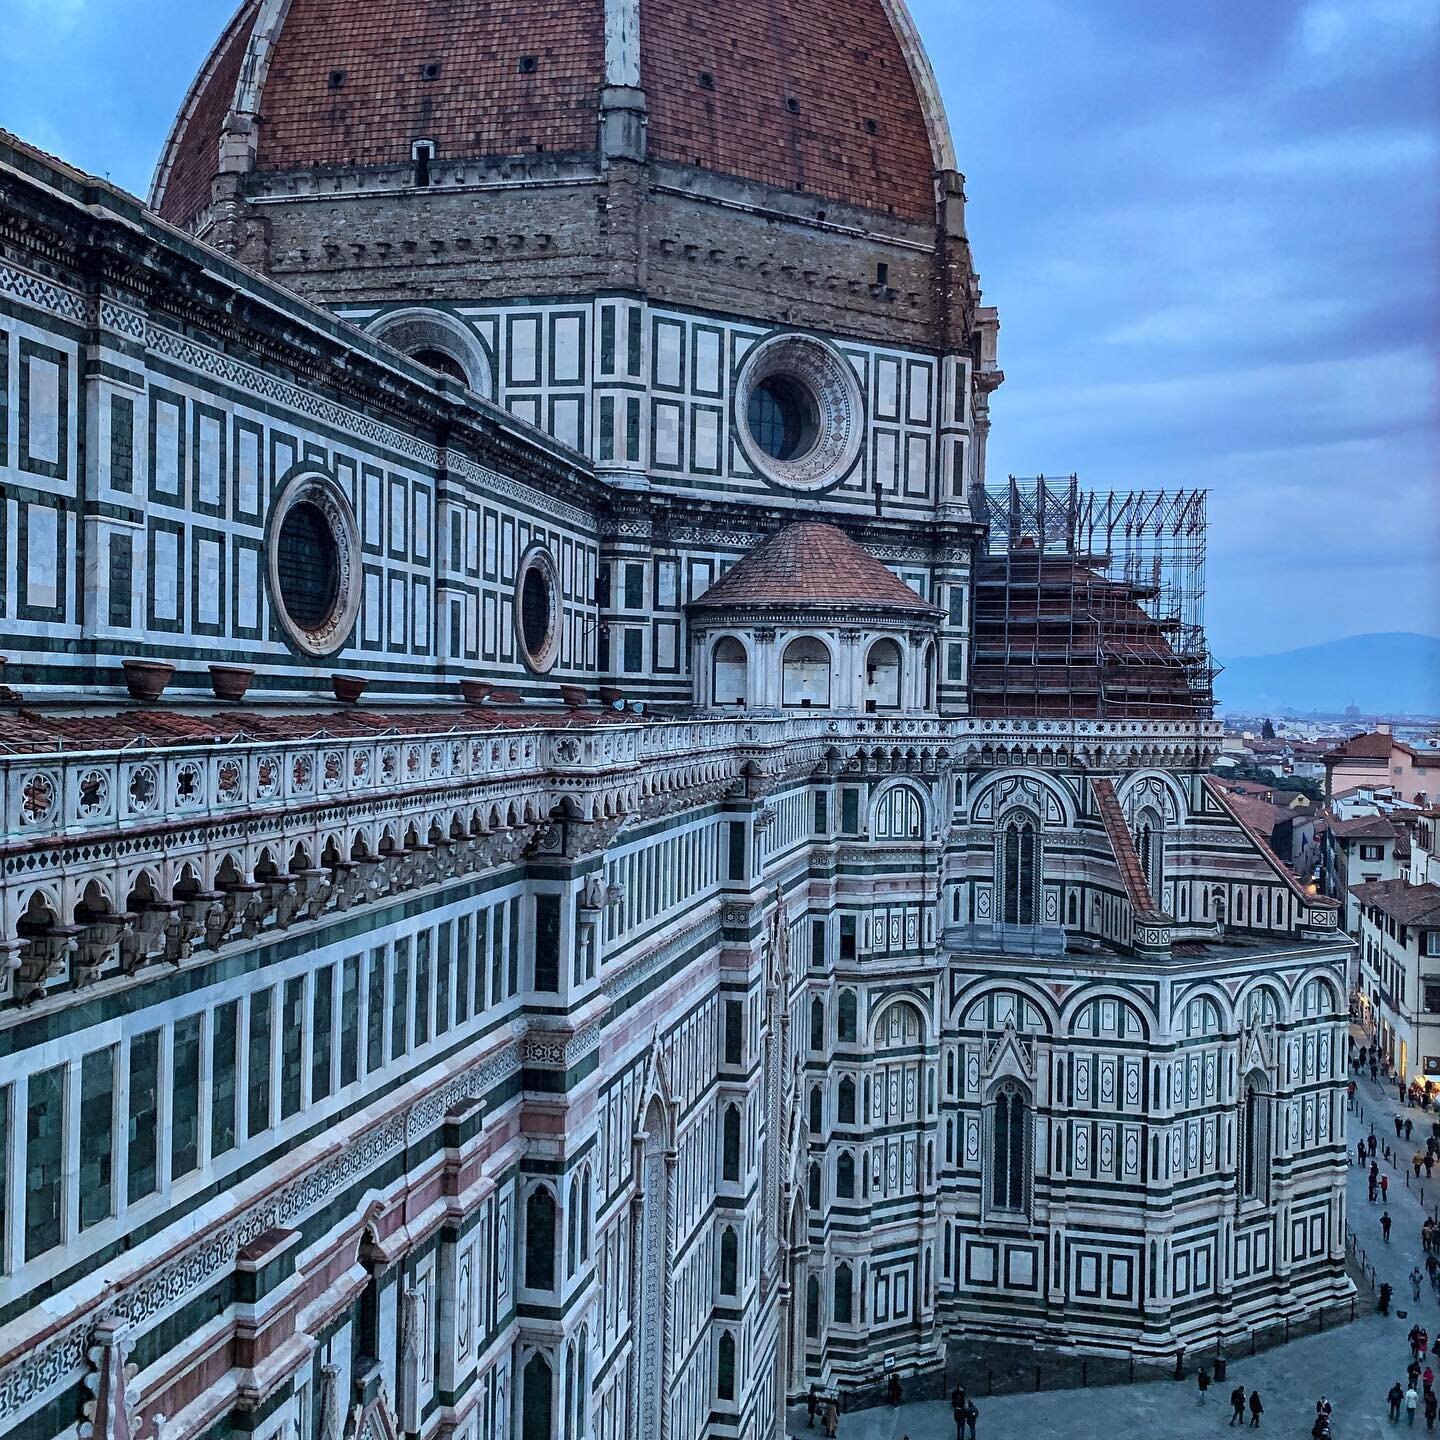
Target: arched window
[(1010, 1147), (805, 674), (814, 1191), (899, 815), (817, 1024), (730, 1146), (928, 698), (817, 1110), (540, 1239), (1150, 850), (572, 1229), (882, 676), (1019, 871), (843, 1294), (1255, 1139), (847, 1025), (729, 1260), (845, 1176), (538, 1403), (725, 1367), (729, 673), (585, 1180), (846, 1106), (812, 1307)]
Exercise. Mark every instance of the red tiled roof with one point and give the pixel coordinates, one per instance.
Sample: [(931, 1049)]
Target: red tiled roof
[(1403, 902), (1123, 847), (809, 95), (1363, 827), (839, 60), (1261, 814), (29, 731), (193, 153), (1374, 746), (1282, 871), (810, 564)]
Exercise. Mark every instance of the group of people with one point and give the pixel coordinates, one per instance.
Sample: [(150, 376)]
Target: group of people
[(965, 1414), (826, 1408)]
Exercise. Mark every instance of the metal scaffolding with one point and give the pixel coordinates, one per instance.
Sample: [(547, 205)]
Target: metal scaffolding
[(1090, 604)]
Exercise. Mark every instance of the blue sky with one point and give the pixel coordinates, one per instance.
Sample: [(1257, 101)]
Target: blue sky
[(1210, 228)]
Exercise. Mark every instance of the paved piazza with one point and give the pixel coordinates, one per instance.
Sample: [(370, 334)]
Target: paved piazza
[(1353, 1366)]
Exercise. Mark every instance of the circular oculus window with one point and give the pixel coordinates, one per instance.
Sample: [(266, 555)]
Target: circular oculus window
[(537, 609), (313, 573), (799, 412)]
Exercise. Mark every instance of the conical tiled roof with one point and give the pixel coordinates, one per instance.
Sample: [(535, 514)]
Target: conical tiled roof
[(811, 564)]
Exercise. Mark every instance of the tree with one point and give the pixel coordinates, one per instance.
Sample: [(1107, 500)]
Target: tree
[(1267, 731)]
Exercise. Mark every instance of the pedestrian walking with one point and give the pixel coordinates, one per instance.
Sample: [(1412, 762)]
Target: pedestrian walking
[(832, 1418), (1370, 1144), (1412, 1403), (1360, 1153), (972, 1414), (1416, 1161), (1399, 1123), (812, 1404), (1237, 1404), (1256, 1409), (1202, 1381), (1417, 1279), (1409, 1127), (1432, 1407), (1384, 1187), (1396, 1397), (1385, 1223), (1382, 1304), (1427, 1378)]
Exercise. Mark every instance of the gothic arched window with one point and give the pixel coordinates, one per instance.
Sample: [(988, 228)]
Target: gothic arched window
[(845, 1176), (814, 1189), (1150, 850), (540, 1240), (730, 1147), (725, 1368), (729, 1260), (1010, 1149), (1255, 1140), (1019, 872), (817, 1024), (846, 1106), (843, 1292), (847, 1025), (817, 1111)]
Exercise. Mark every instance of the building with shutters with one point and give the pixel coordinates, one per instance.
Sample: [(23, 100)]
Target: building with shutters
[(568, 868)]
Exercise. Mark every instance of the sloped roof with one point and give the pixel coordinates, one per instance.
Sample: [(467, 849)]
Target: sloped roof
[(1132, 873), (811, 564), (1403, 902), (1363, 827)]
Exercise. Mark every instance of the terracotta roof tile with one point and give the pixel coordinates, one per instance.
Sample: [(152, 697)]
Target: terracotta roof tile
[(811, 564), (33, 731), (1363, 827), (1123, 848), (1403, 902), (809, 95)]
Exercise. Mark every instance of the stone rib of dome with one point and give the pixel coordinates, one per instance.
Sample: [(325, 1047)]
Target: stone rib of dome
[(833, 98), (810, 565)]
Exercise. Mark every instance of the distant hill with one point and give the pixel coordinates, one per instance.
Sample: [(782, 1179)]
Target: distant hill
[(1395, 674)]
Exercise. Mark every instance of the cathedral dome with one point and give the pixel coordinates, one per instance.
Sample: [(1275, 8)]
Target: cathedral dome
[(832, 98)]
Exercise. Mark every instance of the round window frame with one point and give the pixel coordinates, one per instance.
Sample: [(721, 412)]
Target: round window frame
[(834, 390), (537, 557), (322, 493)]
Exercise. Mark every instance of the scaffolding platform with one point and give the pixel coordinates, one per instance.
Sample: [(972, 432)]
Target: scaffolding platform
[(1090, 604)]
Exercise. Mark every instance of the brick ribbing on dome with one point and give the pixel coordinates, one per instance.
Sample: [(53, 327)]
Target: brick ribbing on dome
[(195, 148), (810, 564), (480, 104), (840, 60)]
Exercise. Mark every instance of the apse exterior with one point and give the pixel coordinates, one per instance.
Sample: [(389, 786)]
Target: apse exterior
[(569, 867)]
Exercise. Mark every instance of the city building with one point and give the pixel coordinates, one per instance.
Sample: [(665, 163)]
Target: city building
[(1379, 758), (1360, 851), (569, 868), (1399, 934)]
